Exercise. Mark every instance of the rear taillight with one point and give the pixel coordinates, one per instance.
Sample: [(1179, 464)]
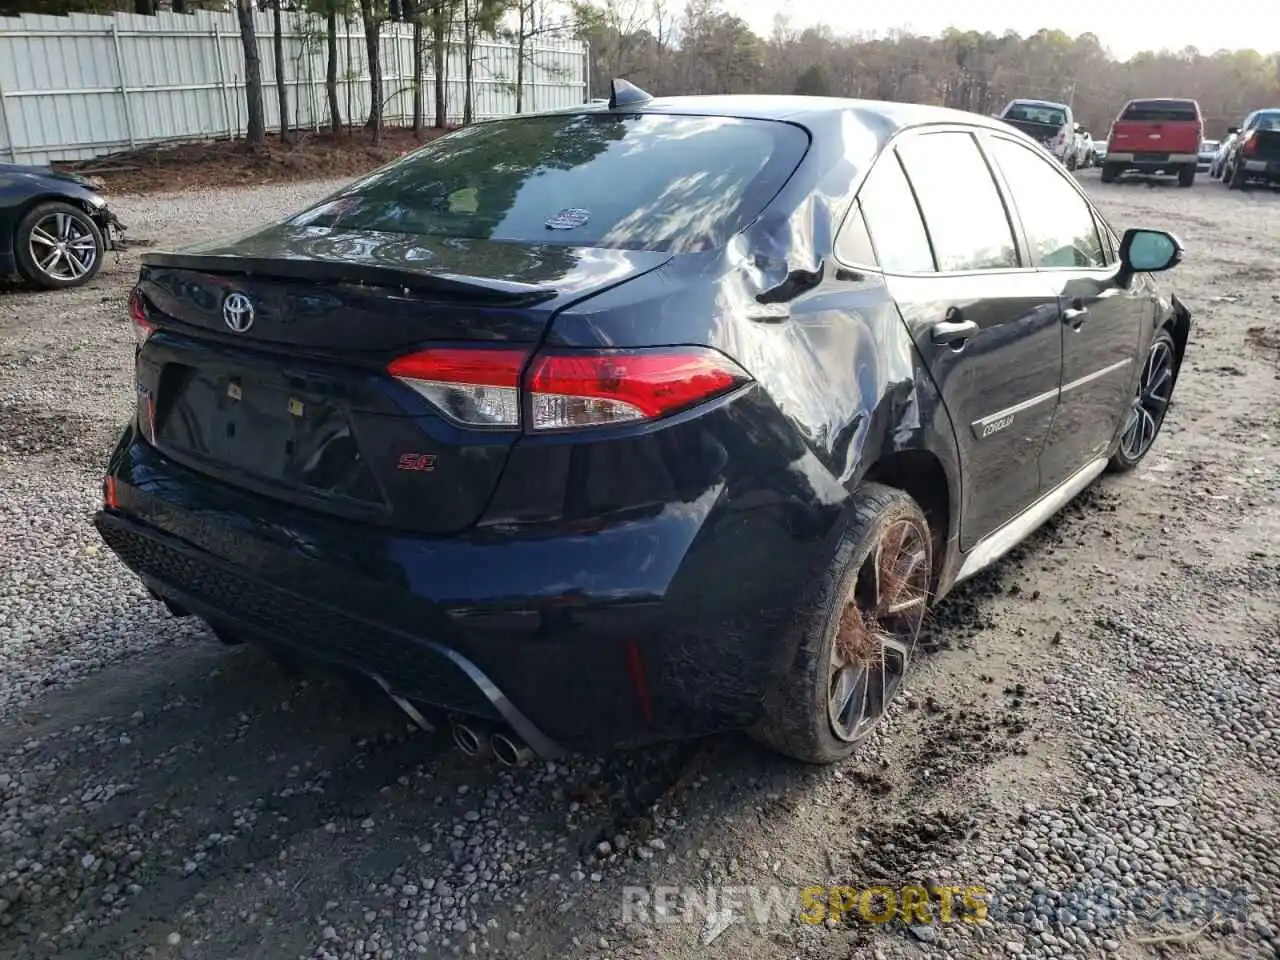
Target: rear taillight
[(569, 390), (1249, 146), (564, 390), (478, 388), (142, 327)]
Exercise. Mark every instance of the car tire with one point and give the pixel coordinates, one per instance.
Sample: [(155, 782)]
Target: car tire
[(1235, 179), (885, 554), (1109, 172), (69, 230), (1187, 176), (1149, 406)]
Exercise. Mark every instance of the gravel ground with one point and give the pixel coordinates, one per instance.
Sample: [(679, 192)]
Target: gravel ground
[(1096, 747)]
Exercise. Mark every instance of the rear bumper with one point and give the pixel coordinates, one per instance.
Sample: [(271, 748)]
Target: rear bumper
[(1259, 168), (1147, 161), (661, 627)]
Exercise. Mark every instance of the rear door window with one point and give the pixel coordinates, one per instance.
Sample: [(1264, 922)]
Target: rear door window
[(893, 219), (639, 182), (1060, 228), (963, 212)]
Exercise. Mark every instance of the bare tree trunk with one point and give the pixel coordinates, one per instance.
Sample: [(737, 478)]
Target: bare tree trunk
[(331, 67), (369, 14), (257, 132), (350, 110), (282, 91), (419, 106), (439, 32), (468, 45), (520, 39)]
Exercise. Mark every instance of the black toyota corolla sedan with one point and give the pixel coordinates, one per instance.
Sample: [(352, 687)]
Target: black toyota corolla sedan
[(639, 420)]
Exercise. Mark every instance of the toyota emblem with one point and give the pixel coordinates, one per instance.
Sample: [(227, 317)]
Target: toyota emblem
[(237, 312)]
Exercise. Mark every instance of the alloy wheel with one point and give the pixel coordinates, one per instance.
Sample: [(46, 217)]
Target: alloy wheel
[(62, 247), (1149, 406), (878, 629)]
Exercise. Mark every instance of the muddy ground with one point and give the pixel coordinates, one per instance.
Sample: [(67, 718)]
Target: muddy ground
[(1101, 728)]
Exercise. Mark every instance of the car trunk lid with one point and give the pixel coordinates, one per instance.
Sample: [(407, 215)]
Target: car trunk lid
[(268, 362)]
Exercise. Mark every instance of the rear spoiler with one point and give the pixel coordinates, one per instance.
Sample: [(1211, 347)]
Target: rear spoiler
[(482, 290)]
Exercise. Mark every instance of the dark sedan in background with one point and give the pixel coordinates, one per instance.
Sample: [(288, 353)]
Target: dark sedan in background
[(639, 420), (54, 227), (1254, 153)]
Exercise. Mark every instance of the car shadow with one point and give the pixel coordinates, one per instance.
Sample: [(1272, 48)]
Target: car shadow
[(248, 799)]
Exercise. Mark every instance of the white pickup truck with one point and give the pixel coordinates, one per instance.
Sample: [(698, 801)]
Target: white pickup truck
[(1051, 124)]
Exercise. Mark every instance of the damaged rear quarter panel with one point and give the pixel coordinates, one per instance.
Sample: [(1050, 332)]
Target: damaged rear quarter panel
[(832, 352)]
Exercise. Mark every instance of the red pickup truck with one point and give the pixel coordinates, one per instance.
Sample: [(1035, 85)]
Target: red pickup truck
[(1155, 136)]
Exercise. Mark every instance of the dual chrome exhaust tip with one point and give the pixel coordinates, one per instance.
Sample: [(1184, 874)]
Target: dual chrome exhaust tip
[(508, 750)]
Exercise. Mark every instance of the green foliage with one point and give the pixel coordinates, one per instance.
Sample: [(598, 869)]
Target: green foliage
[(813, 82)]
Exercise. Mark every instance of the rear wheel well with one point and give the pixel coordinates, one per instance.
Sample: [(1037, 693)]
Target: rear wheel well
[(920, 474)]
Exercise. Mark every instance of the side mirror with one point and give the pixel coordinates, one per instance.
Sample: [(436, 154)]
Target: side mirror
[(1149, 251), (1231, 130)]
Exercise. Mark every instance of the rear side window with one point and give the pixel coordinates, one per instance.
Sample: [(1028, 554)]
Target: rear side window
[(893, 219), (853, 245), (1060, 228), (962, 208), (640, 182), (1149, 111)]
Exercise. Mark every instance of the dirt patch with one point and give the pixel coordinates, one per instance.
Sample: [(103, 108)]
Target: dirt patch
[(35, 431), (165, 168), (1256, 273), (1265, 340)]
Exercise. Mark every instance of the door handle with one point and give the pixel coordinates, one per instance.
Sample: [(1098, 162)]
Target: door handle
[(954, 333), (1076, 314)]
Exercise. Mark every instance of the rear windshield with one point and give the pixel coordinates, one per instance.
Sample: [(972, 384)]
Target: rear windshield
[(1269, 120), (639, 182), (1034, 113), (1151, 110)]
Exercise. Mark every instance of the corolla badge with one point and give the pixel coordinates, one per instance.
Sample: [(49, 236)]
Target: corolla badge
[(237, 312)]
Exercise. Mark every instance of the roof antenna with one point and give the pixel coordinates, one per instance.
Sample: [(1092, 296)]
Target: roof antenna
[(623, 93)]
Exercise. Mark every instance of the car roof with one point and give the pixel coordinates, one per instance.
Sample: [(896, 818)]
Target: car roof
[(884, 115)]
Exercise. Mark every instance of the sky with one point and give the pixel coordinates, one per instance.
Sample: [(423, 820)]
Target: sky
[(1123, 27)]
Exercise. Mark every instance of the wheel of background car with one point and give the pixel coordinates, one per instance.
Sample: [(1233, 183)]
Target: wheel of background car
[(1235, 177), (1149, 405), (860, 632), (58, 245), (1187, 176)]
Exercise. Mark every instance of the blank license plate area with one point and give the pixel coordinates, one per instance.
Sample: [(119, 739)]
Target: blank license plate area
[(274, 430)]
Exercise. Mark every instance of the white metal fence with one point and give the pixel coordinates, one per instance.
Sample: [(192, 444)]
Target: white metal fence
[(83, 85)]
